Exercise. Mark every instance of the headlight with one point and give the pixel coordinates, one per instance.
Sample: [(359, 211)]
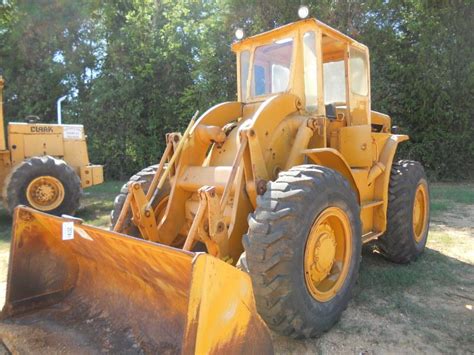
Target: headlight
[(239, 33), (303, 11)]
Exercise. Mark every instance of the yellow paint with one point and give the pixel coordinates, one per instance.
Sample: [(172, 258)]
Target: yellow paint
[(381, 119), (222, 308), (282, 134), (91, 175), (66, 142), (328, 254), (333, 159), (420, 212), (355, 145)]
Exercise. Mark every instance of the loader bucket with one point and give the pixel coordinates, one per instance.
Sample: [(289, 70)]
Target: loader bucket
[(77, 288)]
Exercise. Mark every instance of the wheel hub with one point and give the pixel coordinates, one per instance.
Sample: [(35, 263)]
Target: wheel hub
[(328, 254), (45, 193), (324, 254)]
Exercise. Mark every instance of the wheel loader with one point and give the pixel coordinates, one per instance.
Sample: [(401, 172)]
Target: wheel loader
[(254, 216), (44, 166)]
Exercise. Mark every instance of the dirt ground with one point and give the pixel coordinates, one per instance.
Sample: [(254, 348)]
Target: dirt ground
[(424, 307)]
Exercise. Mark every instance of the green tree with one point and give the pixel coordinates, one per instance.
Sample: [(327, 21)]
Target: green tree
[(136, 69)]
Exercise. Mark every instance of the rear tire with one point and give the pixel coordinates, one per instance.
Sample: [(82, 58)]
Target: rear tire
[(407, 229), (145, 176), (44, 183), (277, 250)]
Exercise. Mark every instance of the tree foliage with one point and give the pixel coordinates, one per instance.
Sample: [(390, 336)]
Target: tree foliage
[(136, 69)]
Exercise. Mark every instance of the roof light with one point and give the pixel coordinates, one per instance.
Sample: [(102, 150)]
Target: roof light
[(303, 11), (239, 33)]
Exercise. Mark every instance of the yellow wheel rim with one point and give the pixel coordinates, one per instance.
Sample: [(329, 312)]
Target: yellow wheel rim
[(45, 193), (328, 254), (420, 212)]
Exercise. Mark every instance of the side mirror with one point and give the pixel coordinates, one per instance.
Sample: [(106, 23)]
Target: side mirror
[(395, 129)]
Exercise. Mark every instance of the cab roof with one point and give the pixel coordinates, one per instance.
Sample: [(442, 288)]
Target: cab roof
[(268, 36)]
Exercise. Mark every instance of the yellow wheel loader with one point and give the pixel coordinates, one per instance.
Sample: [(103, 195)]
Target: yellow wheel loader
[(45, 166), (269, 197)]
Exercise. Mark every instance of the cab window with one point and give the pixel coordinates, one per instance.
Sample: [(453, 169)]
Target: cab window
[(244, 73), (271, 69), (359, 72), (310, 70), (334, 82)]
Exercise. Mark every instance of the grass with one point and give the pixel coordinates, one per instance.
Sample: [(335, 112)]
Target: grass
[(96, 204), (445, 196), (430, 295)]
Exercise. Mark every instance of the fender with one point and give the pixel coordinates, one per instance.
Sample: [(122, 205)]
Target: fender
[(382, 181), (332, 159)]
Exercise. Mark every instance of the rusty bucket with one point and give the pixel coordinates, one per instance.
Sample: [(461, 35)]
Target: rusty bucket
[(76, 288)]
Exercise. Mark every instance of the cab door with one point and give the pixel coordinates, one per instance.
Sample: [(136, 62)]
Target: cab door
[(359, 86)]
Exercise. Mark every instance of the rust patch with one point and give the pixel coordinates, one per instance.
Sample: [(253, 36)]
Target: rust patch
[(25, 215)]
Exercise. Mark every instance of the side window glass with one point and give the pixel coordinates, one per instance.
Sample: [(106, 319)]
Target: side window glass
[(244, 73), (334, 82), (271, 71), (359, 74), (310, 70), (281, 78), (259, 78)]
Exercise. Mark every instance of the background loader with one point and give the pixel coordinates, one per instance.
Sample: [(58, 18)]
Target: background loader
[(44, 166), (286, 184)]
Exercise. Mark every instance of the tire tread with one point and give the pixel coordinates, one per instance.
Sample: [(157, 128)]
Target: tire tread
[(269, 247)]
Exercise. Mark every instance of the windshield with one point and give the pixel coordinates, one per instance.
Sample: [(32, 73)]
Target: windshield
[(271, 68)]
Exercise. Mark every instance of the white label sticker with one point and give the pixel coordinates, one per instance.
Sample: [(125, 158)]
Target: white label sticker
[(68, 230), (72, 132)]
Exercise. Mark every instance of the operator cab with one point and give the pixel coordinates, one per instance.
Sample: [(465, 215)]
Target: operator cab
[(310, 60)]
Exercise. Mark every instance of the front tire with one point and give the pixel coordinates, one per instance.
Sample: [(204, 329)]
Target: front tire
[(303, 250), (408, 213), (44, 183)]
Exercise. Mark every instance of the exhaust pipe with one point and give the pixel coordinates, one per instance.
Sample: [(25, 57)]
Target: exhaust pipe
[(58, 107)]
